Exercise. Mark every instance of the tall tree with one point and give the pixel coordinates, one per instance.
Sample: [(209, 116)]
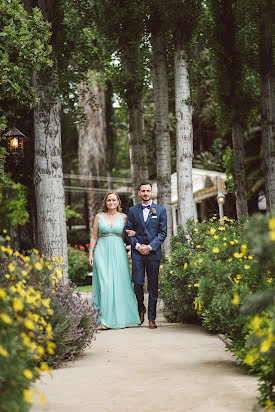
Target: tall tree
[(72, 53), (233, 103), (182, 18), (161, 130), (92, 143), (121, 34), (267, 74)]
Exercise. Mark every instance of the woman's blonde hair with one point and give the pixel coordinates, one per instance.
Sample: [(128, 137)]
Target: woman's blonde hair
[(104, 206)]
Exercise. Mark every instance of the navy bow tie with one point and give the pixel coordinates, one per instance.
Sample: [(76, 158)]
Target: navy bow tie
[(146, 207)]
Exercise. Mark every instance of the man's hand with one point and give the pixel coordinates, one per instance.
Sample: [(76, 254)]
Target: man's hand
[(144, 249)]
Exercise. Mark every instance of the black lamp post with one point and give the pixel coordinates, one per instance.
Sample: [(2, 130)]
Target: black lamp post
[(15, 143)]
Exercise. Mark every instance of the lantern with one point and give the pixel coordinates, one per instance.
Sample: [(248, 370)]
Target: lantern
[(15, 142)]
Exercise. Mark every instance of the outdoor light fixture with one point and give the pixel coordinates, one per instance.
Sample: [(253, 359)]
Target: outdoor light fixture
[(15, 142), (220, 198)]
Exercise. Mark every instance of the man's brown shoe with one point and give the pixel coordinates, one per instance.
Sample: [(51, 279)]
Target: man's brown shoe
[(141, 315), (152, 324)]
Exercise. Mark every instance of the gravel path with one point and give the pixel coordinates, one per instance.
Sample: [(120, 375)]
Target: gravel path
[(177, 368)]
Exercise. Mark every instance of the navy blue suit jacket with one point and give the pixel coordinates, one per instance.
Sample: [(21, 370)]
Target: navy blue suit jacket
[(152, 233)]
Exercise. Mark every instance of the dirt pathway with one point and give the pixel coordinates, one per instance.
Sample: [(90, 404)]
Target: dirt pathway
[(177, 368)]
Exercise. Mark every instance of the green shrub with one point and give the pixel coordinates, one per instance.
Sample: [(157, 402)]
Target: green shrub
[(226, 273), (78, 264)]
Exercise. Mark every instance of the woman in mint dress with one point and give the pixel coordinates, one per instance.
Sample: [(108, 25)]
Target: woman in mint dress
[(112, 288)]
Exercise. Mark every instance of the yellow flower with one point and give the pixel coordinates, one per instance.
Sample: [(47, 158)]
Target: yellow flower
[(161, 267), (196, 285), (250, 358), (171, 271), (50, 347), (269, 280), (238, 276), (3, 352), (29, 324), (271, 223), (190, 286), (40, 350), (185, 265), (229, 260), (17, 304), (231, 242), (24, 272), (5, 318), (221, 228), (272, 235), (265, 345), (225, 244), (236, 299), (216, 237), (212, 231), (8, 238), (236, 241), (215, 250), (38, 266), (196, 229), (224, 238), (250, 257), (4, 231), (3, 294), (27, 395), (198, 246), (238, 255), (11, 267), (269, 405), (28, 374), (44, 367), (247, 267)]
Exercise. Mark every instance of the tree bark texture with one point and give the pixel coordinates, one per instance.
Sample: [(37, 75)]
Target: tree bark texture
[(162, 123), (268, 103), (184, 130), (48, 174), (92, 144), (239, 170), (138, 157)]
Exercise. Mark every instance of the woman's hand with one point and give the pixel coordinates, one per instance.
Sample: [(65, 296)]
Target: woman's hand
[(91, 260), (130, 233)]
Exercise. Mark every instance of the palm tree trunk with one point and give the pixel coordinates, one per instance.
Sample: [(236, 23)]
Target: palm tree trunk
[(48, 173), (161, 122), (268, 103), (184, 130), (239, 171)]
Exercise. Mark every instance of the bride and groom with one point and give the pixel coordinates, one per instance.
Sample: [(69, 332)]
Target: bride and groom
[(146, 230)]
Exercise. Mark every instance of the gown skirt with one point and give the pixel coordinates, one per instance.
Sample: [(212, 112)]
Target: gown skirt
[(112, 289)]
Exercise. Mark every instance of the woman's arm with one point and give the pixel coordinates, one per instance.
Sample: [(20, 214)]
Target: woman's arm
[(93, 240), (129, 232)]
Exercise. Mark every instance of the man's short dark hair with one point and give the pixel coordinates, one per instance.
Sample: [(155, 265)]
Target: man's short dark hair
[(144, 184)]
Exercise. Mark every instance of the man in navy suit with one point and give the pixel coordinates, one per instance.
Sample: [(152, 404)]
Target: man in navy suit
[(149, 221)]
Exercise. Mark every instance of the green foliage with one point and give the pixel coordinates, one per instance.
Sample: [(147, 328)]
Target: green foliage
[(78, 264), (24, 49), (228, 164), (211, 159), (224, 273), (70, 213), (13, 204)]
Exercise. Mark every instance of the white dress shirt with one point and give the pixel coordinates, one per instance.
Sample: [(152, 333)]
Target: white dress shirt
[(145, 217)]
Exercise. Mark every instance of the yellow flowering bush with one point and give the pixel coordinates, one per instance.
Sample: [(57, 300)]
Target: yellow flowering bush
[(25, 331), (232, 263), (43, 323)]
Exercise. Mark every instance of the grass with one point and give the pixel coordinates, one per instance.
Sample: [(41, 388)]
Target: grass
[(86, 288)]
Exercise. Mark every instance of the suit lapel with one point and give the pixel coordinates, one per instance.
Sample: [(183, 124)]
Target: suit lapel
[(140, 213)]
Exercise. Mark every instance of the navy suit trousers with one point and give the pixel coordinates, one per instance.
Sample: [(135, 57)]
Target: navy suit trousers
[(151, 267)]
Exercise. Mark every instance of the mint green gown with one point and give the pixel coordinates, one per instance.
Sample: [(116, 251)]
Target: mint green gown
[(112, 288)]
